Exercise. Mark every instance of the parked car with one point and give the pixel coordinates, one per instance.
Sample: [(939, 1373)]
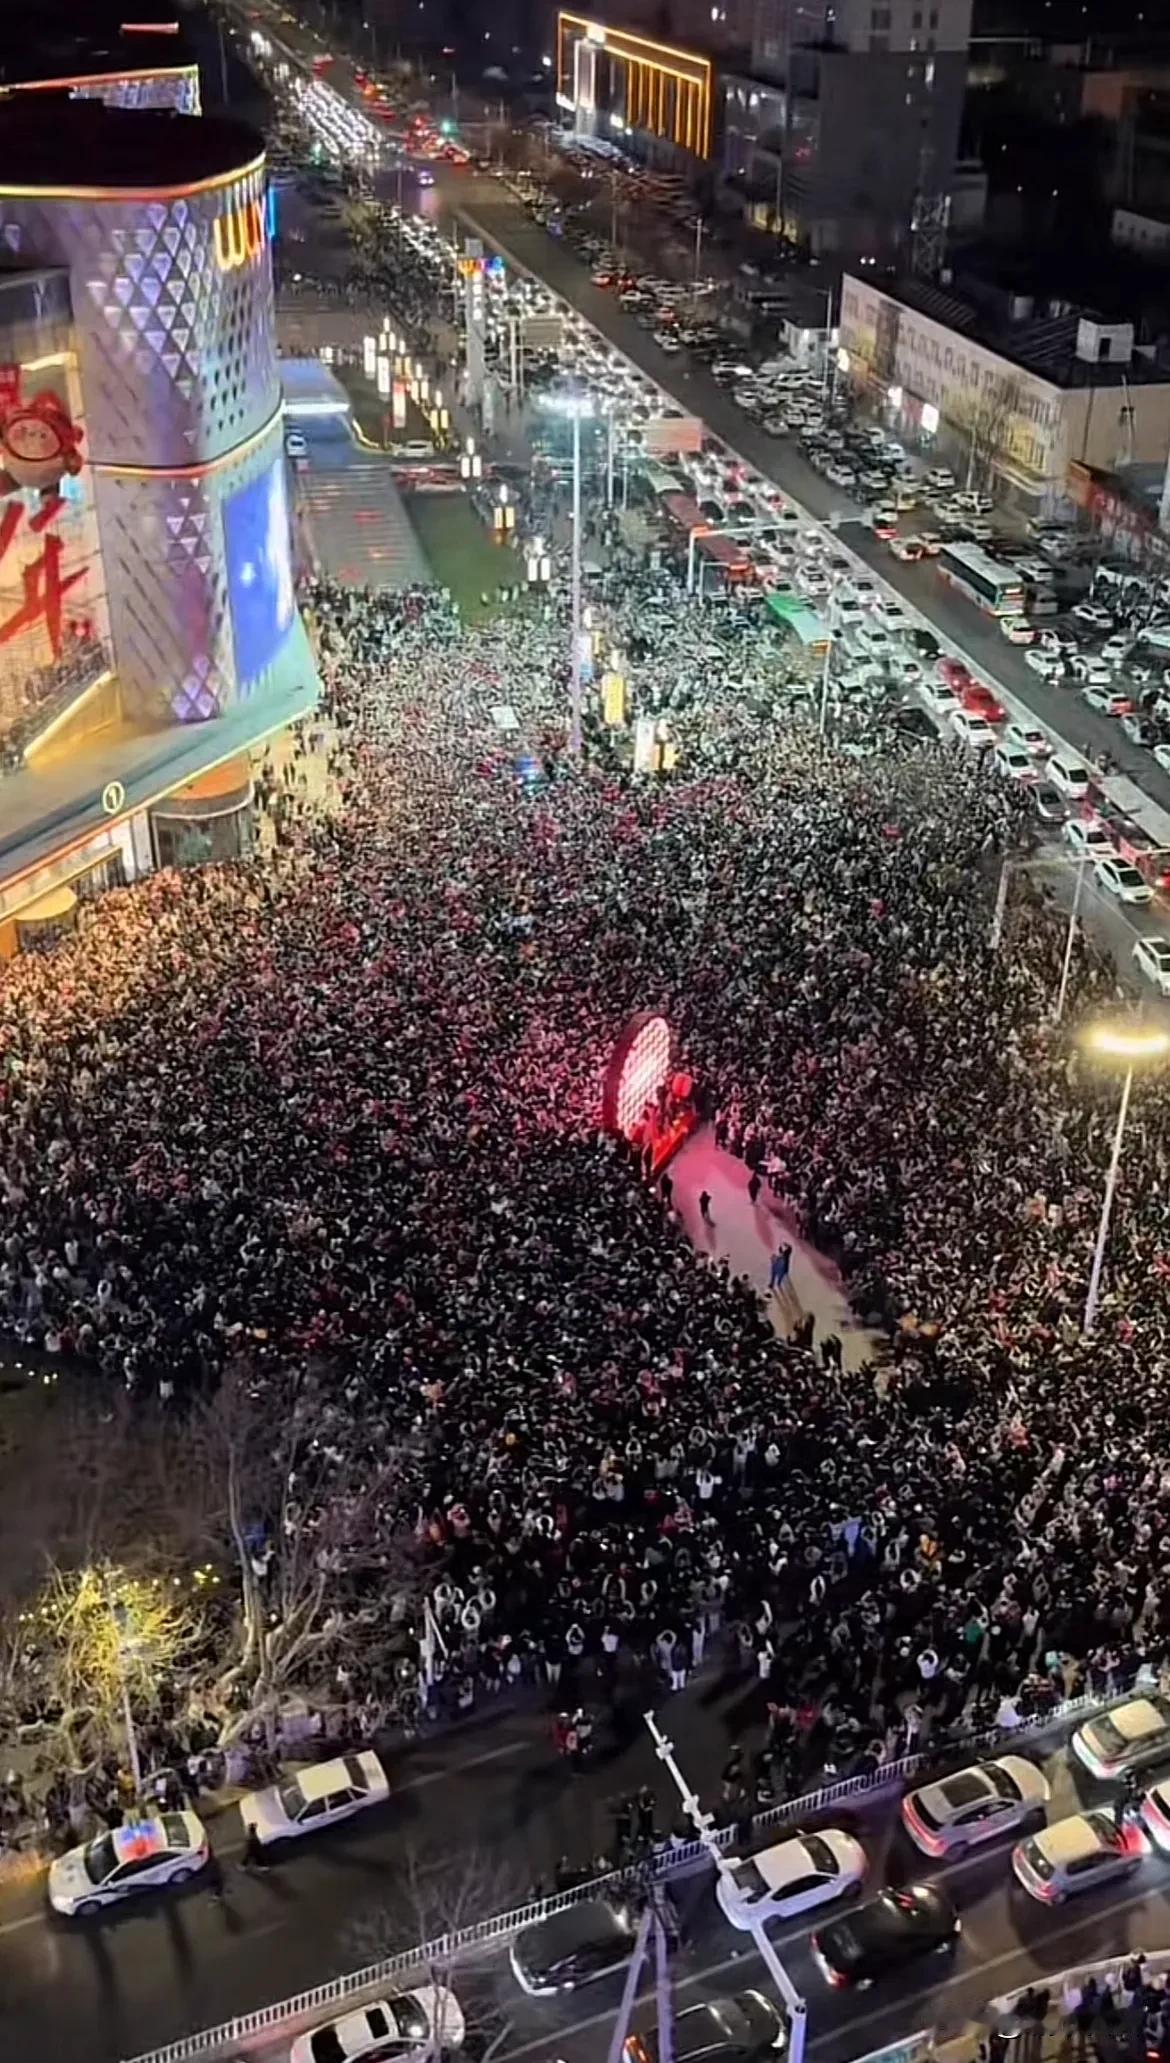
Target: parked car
[(744, 2028), (882, 1937), (975, 1805), (1118, 878), (573, 1947), (418, 2026), (115, 1865), (791, 1877), (1129, 1736), (1075, 1855), (1151, 956), (317, 1797)]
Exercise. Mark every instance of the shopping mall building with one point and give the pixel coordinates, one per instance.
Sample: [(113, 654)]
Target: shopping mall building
[(149, 636)]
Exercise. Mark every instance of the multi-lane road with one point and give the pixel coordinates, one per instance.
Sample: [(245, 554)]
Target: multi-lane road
[(474, 1822)]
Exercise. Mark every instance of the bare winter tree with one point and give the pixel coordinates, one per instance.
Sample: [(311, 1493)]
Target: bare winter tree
[(987, 424), (433, 1903), (298, 1518)]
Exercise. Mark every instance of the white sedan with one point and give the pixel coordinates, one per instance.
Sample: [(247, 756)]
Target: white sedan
[(1124, 881), (1028, 737), (141, 1857), (942, 698), (972, 729), (315, 1798), (1089, 840), (1152, 956), (1046, 664), (793, 1877), (405, 2028), (1017, 630), (974, 1805), (1014, 763)]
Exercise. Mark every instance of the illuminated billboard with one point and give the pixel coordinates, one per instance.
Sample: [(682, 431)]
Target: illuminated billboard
[(260, 576), (634, 82)]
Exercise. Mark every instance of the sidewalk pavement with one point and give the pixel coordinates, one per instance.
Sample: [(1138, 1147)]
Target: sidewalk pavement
[(748, 1235)]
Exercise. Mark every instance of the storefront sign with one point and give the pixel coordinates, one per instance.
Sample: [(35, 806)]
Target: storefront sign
[(239, 236)]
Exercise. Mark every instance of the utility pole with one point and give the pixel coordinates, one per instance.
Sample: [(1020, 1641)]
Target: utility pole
[(704, 1826), (575, 590), (649, 1925), (1000, 910)]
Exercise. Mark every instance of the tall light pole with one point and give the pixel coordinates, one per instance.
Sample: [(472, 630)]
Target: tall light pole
[(124, 1650), (578, 406), (1066, 963), (823, 711), (704, 1827), (1131, 1046)]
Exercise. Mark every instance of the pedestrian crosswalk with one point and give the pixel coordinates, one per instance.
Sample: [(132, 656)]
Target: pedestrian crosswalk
[(356, 524)]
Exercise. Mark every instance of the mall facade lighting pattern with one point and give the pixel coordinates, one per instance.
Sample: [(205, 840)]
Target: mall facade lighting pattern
[(652, 86), (175, 336)]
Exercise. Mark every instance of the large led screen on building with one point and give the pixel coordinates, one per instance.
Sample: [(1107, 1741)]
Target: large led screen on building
[(260, 577)]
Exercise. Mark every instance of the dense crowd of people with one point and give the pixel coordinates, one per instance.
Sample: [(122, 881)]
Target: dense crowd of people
[(339, 1109)]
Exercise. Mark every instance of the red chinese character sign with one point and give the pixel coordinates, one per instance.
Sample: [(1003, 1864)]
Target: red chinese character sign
[(39, 446)]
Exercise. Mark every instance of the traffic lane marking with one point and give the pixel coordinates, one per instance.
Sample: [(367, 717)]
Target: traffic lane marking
[(418, 1783)]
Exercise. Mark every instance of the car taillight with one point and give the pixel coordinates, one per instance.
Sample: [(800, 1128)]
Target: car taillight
[(932, 1843)]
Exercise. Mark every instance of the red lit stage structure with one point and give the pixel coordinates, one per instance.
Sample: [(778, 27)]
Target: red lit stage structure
[(643, 1099)]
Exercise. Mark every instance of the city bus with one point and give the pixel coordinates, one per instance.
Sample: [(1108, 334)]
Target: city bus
[(730, 559), (684, 512), (987, 582), (803, 622)]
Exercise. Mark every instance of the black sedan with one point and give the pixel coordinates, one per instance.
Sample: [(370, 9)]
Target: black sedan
[(924, 642), (744, 2028), (886, 1934), (584, 1941)]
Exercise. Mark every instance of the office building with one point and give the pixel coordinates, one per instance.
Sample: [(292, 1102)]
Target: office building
[(843, 133)]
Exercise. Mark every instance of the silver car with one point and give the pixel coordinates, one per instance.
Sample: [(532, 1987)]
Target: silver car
[(976, 1804)]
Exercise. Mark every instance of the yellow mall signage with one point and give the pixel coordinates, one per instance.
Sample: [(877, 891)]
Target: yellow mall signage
[(239, 236)]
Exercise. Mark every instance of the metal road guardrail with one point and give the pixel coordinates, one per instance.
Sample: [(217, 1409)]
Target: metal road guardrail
[(288, 2014)]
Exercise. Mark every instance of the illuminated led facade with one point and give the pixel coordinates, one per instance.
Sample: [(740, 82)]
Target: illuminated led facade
[(175, 87), (148, 626), (176, 349), (614, 80)]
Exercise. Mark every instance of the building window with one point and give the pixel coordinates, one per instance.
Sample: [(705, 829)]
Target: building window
[(878, 45), (934, 17), (916, 18), (879, 18)]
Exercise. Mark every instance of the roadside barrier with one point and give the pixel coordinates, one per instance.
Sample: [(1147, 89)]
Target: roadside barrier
[(288, 2015)]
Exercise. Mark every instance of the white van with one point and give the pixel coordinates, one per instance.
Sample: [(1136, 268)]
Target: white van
[(1069, 777)]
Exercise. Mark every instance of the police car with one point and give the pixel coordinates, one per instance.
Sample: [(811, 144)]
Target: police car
[(141, 1857)]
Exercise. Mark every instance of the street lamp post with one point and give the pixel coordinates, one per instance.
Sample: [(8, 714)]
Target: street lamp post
[(1131, 1045), (119, 1618), (579, 407), (1066, 963), (704, 1827), (823, 711)]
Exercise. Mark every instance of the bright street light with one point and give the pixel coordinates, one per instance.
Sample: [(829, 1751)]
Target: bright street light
[(1134, 1046), (1133, 1043)]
